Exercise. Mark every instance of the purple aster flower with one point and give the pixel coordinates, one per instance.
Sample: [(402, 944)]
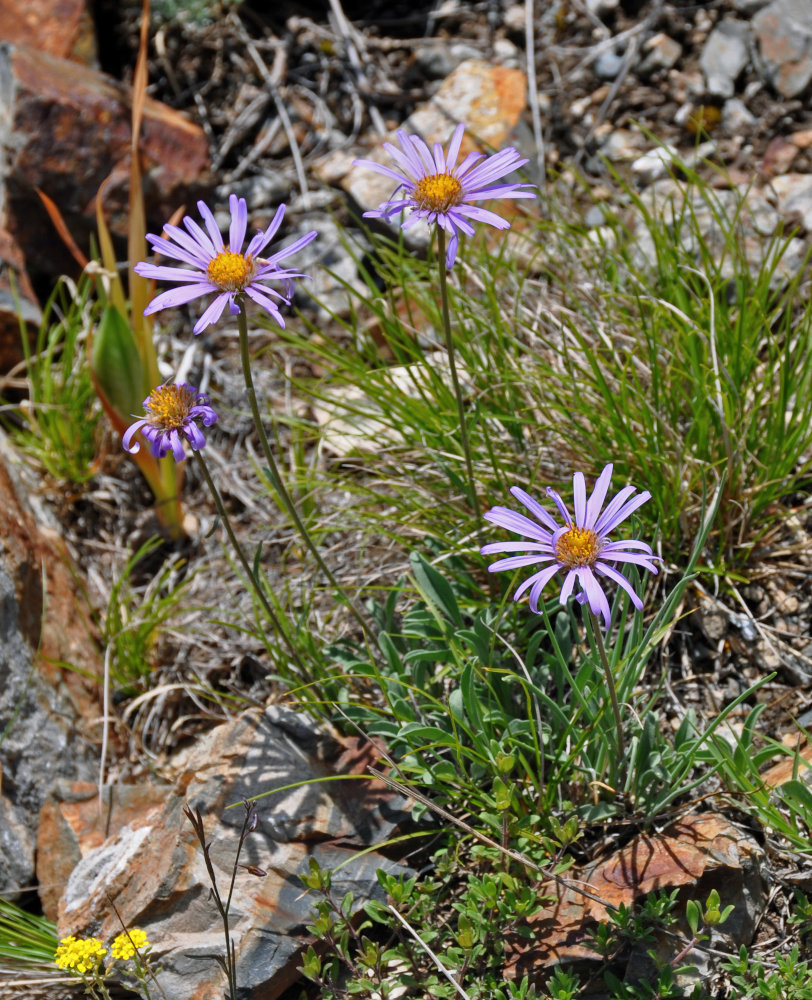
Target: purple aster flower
[(580, 547), (171, 414), (440, 191), (228, 272)]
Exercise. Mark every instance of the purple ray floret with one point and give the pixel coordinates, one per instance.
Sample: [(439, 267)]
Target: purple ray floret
[(580, 547), (226, 271), (172, 412), (435, 188)]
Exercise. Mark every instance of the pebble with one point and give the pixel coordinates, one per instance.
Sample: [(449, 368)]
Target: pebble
[(749, 6), (438, 61), (622, 144), (783, 31), (608, 64), (724, 56), (662, 52), (600, 8), (654, 164), (736, 118)]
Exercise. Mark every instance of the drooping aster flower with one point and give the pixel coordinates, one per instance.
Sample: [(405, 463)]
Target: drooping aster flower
[(580, 547), (227, 272), (442, 192), (171, 414)]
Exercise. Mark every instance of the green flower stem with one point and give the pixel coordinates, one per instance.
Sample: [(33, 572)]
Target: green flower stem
[(610, 684), (362, 619), (257, 585), (452, 364)]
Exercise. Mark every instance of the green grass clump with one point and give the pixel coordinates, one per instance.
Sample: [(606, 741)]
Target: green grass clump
[(684, 370), (26, 940), (58, 423)]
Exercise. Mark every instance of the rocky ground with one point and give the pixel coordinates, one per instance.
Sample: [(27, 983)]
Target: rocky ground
[(286, 99)]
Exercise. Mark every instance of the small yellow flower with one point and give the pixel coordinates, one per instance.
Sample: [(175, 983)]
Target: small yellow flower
[(124, 946), (80, 955)]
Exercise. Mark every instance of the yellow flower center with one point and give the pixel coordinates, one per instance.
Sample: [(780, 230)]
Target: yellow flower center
[(169, 405), (230, 271), (438, 192), (578, 547)]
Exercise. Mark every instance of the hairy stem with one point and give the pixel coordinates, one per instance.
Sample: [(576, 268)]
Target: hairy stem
[(610, 684), (362, 619), (455, 382), (248, 569)]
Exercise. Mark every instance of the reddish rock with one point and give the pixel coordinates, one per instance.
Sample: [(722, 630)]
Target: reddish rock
[(154, 868), (66, 130), (75, 820), (783, 31), (489, 99), (700, 852), (62, 27)]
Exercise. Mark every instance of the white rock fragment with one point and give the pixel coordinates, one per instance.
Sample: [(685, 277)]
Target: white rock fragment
[(724, 56)]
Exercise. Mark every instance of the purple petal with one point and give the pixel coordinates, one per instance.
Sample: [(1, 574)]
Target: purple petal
[(594, 594), (451, 255), (239, 223), (562, 510), (454, 219), (542, 579), (173, 252), (516, 562), (608, 521), (454, 146), (579, 498), (523, 546), (501, 191), (131, 431), (513, 521), (194, 436), (269, 305), (161, 272), (201, 238), (178, 297), (294, 247), (601, 488), (482, 215), (211, 226), (175, 442), (569, 583), (214, 312), (189, 244), (534, 507), (262, 239), (536, 580), (621, 580), (613, 506)]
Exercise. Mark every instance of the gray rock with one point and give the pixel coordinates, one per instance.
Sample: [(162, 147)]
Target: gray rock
[(736, 119), (331, 266), (793, 194), (749, 6), (439, 60), (38, 724), (154, 867), (724, 56), (608, 65), (600, 8), (783, 31), (661, 52), (654, 164)]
